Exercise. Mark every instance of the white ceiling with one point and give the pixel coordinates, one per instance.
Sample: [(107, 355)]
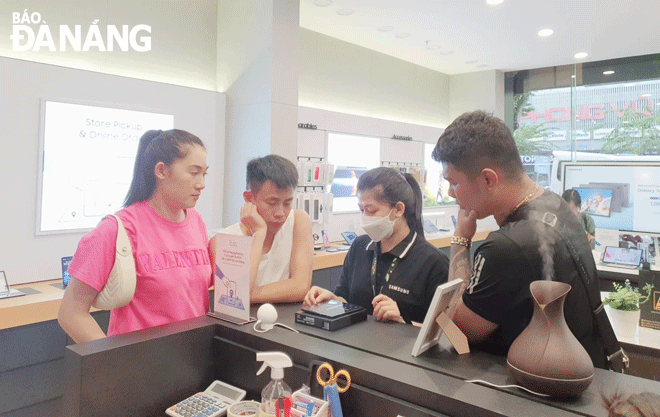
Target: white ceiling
[(500, 37)]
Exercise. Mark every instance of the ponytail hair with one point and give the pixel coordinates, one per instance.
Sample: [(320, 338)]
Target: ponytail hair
[(156, 146), (396, 187)]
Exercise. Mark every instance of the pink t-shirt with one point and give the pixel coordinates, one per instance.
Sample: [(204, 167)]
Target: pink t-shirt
[(172, 264)]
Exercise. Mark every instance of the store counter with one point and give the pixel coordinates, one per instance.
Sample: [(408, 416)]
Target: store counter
[(145, 372)]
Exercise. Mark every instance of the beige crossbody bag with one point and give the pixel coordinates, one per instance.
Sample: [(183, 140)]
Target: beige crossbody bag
[(119, 289)]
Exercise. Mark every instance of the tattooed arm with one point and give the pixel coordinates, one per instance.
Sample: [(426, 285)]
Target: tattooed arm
[(475, 327)]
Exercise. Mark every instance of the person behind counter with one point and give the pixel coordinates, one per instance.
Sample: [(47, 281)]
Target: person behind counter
[(283, 250), (392, 271), (572, 197), (163, 226), (482, 165)]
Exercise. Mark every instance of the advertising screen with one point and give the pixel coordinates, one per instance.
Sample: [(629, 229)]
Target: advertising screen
[(87, 155), (619, 196)]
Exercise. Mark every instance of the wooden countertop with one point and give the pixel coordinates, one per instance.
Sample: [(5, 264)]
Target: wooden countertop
[(32, 308), (44, 305)]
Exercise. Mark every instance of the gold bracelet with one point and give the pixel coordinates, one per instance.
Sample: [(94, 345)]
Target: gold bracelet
[(459, 240)]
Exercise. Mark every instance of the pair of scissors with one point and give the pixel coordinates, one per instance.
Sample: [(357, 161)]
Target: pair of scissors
[(331, 378)]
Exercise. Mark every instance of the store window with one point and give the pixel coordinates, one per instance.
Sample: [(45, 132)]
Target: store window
[(436, 192), (593, 127), (351, 155), (607, 110)]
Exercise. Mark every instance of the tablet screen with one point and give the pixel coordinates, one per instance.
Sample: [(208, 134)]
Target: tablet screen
[(332, 308), (622, 256), (349, 236), (65, 271)]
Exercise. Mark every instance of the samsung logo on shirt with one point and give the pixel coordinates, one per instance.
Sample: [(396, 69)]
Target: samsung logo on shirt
[(398, 289)]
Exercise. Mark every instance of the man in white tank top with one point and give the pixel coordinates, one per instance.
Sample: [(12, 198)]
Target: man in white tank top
[(283, 249)]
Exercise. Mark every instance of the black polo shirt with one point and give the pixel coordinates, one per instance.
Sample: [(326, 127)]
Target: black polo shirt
[(420, 268)]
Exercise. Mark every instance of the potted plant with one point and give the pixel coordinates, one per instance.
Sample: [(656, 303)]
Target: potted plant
[(623, 309)]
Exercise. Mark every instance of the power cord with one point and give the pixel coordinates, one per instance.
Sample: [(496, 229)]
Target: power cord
[(479, 381), (275, 324)]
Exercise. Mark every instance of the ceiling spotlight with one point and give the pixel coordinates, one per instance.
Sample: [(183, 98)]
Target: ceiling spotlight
[(385, 28), (494, 2), (573, 76), (581, 55), (545, 32), (345, 12), (472, 61), (322, 3), (402, 35), (446, 52), (608, 72)]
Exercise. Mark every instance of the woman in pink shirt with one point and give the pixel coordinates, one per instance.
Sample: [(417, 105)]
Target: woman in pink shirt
[(168, 237)]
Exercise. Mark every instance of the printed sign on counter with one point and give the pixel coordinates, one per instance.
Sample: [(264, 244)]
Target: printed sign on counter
[(232, 276), (650, 310)]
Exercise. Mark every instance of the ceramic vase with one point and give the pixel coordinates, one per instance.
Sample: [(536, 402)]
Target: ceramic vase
[(546, 357), (625, 323)]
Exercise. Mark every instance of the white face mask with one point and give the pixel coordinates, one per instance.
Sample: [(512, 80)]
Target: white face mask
[(378, 228)]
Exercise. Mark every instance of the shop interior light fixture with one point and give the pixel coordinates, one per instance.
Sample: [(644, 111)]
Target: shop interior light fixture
[(385, 28), (402, 35), (345, 12), (322, 3), (608, 72), (545, 32), (494, 2), (581, 55)]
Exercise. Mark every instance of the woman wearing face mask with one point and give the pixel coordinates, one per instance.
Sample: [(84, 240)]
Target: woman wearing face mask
[(392, 271)]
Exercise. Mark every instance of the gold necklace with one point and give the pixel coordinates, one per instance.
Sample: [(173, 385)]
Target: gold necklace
[(525, 200)]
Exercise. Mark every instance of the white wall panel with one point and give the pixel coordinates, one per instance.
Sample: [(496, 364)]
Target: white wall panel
[(394, 150), (26, 257)]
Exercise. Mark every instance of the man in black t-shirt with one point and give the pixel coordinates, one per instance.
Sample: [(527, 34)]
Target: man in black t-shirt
[(482, 164)]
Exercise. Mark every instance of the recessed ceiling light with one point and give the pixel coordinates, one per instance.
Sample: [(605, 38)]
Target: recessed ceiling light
[(385, 28), (472, 61), (345, 12), (446, 52), (581, 55), (494, 2), (402, 35), (573, 76), (608, 72), (545, 32), (322, 3)]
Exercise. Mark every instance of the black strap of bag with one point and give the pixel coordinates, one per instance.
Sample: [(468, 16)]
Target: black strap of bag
[(616, 357)]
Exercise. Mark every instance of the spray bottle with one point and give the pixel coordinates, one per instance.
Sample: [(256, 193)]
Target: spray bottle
[(277, 388)]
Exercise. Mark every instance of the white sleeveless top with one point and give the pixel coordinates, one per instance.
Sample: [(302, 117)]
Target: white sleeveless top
[(274, 265)]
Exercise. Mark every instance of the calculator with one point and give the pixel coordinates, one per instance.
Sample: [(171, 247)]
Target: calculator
[(213, 402)]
